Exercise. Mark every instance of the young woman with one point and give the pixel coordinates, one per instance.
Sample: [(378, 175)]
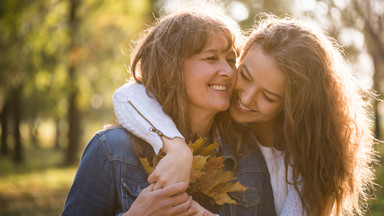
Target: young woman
[(186, 61), (307, 113)]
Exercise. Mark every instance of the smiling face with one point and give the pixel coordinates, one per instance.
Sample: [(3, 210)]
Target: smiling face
[(209, 77), (259, 91)]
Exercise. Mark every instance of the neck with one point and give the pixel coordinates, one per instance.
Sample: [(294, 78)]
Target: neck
[(201, 124), (264, 132)]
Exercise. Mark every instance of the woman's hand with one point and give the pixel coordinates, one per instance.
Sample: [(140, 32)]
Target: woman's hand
[(200, 211), (171, 200), (175, 166)]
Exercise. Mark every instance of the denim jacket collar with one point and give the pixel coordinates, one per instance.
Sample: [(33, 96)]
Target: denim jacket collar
[(229, 160)]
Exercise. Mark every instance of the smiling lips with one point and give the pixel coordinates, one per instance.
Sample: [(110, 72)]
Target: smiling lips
[(243, 107), (218, 87)]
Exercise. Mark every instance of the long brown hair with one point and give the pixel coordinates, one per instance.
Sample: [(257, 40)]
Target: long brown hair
[(325, 127), (158, 59)]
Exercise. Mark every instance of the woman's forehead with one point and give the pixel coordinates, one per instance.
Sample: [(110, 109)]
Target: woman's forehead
[(219, 41)]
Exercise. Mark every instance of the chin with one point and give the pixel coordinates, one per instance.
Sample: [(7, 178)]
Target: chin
[(238, 117), (223, 107)]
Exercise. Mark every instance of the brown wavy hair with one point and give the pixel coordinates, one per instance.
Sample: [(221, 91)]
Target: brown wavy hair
[(158, 59), (326, 124)]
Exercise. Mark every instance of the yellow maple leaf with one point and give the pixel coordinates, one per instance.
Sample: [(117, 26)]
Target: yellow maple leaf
[(195, 174), (196, 146), (207, 174), (199, 162), (222, 198), (210, 149), (147, 167)]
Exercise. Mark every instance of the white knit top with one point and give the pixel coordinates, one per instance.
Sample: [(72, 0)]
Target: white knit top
[(287, 200)]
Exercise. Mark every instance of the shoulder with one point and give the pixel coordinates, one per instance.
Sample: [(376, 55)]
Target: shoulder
[(115, 134), (116, 143)]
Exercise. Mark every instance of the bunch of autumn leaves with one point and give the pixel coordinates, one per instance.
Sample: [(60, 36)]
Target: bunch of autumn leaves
[(207, 174)]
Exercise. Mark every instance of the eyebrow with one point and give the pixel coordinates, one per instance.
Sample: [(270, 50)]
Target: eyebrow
[(249, 75), (219, 50)]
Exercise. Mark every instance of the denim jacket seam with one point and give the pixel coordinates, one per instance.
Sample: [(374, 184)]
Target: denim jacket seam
[(124, 162), (110, 154)]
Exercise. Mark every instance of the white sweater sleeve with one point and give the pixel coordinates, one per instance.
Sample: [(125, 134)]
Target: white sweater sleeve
[(142, 115)]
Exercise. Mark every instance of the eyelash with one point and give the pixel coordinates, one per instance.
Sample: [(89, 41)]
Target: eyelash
[(267, 98), (243, 75), (264, 95), (211, 58)]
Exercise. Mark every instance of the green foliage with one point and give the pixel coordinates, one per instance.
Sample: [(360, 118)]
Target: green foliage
[(35, 40)]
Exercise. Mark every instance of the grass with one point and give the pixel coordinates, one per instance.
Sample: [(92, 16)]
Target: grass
[(39, 187), (377, 205)]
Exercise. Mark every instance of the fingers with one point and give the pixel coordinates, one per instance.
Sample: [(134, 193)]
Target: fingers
[(207, 214), (159, 180), (149, 188), (184, 208), (174, 189), (153, 177), (158, 186)]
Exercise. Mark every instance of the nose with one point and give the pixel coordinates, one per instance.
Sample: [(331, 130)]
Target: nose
[(247, 93), (226, 69)]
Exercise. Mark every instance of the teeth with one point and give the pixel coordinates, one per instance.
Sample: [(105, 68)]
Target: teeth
[(218, 87), (243, 107)]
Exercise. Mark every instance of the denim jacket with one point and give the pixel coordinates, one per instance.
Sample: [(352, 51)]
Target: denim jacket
[(110, 177)]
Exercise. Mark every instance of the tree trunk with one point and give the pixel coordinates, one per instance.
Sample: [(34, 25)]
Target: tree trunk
[(377, 78), (377, 121), (34, 133), (57, 134), (4, 129), (73, 111), (16, 105), (73, 130)]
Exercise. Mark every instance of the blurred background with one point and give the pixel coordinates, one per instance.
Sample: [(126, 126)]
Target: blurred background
[(61, 60)]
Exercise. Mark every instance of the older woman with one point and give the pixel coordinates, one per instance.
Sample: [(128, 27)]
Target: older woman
[(186, 61)]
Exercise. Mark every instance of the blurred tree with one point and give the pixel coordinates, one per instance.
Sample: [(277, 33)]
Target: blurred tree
[(101, 35), (256, 7), (27, 62), (4, 129), (13, 65), (63, 66), (46, 44), (346, 21), (372, 14), (73, 110)]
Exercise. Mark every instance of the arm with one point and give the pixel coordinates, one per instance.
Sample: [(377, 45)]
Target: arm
[(166, 201), (93, 191), (143, 116)]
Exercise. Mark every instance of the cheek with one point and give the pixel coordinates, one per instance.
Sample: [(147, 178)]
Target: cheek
[(270, 109), (190, 87), (239, 83)]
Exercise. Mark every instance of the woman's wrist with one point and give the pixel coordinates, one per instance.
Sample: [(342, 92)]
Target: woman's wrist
[(176, 144)]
